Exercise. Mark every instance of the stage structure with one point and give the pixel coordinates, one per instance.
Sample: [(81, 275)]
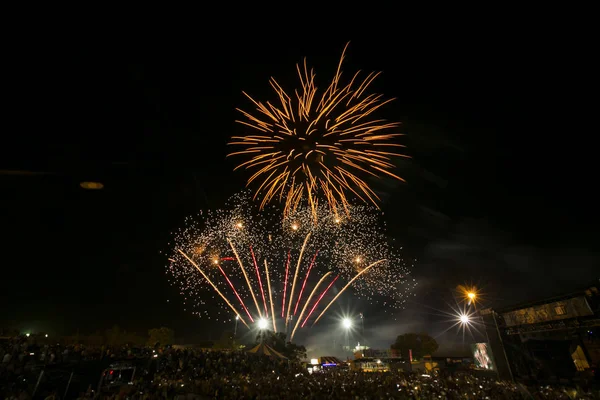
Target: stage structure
[(548, 339)]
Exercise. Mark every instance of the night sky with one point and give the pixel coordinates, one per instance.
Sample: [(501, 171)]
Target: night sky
[(500, 190)]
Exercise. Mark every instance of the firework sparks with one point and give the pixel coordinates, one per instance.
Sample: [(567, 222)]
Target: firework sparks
[(246, 277), (270, 297), (236, 293), (305, 280), (307, 303), (237, 314), (319, 300), (221, 251), (262, 292), (318, 144), (296, 277), (346, 287)]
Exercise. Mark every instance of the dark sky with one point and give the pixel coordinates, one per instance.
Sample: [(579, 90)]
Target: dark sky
[(501, 189)]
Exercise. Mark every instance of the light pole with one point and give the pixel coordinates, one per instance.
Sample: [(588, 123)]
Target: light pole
[(362, 323), (262, 325), (347, 323), (288, 325)]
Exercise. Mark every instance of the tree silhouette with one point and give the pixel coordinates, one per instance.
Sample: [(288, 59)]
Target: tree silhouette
[(421, 345), (161, 336)]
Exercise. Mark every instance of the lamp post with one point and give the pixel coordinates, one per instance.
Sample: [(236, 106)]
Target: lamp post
[(262, 325), (237, 318), (347, 323), (362, 323)]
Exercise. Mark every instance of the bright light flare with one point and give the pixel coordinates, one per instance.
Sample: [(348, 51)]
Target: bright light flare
[(263, 323), (239, 225), (347, 323), (469, 294), (295, 227), (464, 319)]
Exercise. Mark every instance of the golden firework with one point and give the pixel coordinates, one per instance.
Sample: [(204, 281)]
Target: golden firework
[(309, 144)]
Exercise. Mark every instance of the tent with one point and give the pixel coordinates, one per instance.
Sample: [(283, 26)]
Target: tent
[(264, 349)]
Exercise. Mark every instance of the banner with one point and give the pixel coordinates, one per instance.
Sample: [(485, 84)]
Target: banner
[(555, 311)]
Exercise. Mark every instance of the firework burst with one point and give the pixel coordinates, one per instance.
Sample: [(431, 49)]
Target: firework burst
[(310, 144), (259, 266)]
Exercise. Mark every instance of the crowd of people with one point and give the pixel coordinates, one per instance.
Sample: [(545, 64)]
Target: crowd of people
[(233, 382), (22, 360), (168, 373)]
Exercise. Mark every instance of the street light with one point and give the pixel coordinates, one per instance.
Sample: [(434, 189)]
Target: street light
[(471, 295), (464, 319), (362, 323), (262, 325), (347, 324)]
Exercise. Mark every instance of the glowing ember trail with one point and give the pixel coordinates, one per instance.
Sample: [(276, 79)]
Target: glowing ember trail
[(262, 292), (236, 293), (270, 297), (245, 276), (304, 283), (346, 287), (307, 302), (214, 287), (318, 300), (295, 278), (287, 269)]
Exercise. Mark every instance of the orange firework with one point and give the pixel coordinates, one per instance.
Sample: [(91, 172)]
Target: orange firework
[(313, 143)]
